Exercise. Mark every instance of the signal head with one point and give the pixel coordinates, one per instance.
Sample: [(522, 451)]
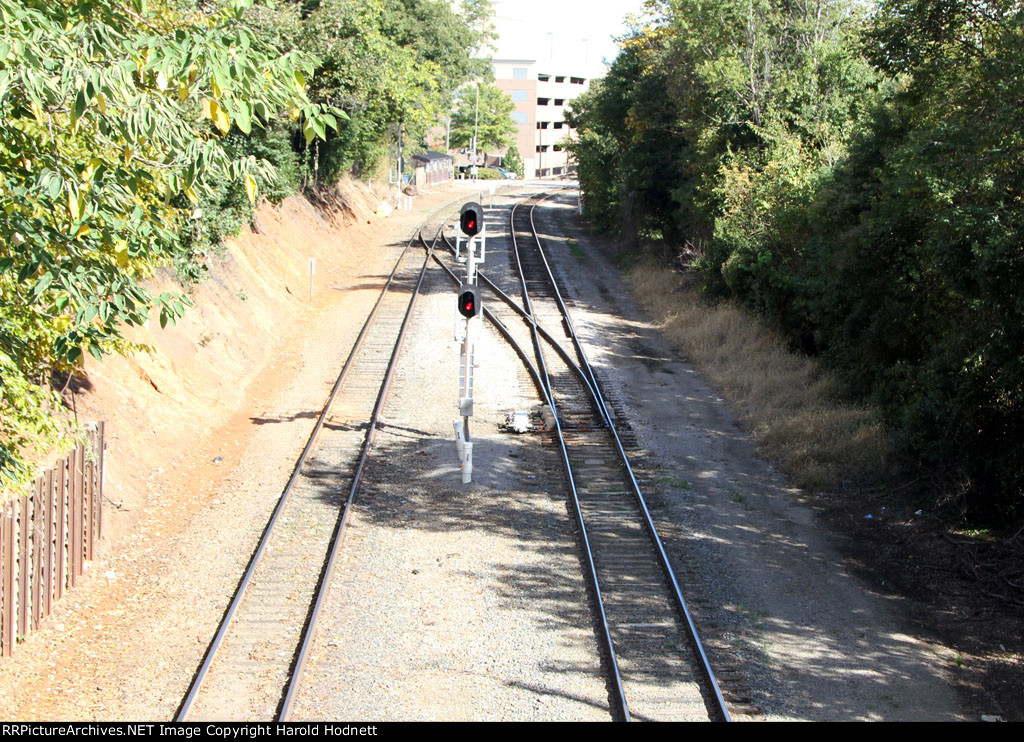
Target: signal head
[(471, 218), (469, 300)]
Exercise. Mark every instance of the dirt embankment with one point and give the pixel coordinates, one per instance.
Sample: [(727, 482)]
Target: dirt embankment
[(202, 432), (197, 373)]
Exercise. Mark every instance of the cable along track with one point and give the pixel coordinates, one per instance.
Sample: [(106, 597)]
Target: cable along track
[(254, 663), (658, 667)]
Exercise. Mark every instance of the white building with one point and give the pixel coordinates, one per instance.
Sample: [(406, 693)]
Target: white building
[(540, 91), (548, 53)]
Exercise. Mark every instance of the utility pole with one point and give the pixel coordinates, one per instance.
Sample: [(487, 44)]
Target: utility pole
[(476, 120), (401, 165)]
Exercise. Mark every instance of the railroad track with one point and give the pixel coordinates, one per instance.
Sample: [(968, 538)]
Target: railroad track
[(507, 315), (254, 663), (658, 668)]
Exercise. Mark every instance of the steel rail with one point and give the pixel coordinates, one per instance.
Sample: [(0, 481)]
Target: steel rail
[(559, 348), (504, 331), (336, 539), (591, 567), (283, 500), (565, 315), (648, 520)]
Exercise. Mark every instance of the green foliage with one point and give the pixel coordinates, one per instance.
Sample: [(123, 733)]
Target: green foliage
[(857, 180), (628, 143), (386, 63), (597, 157), (271, 144), (486, 110), (929, 232), (513, 160), (225, 207), (111, 121), (442, 37)]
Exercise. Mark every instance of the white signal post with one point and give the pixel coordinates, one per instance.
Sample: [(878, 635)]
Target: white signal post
[(468, 308), (476, 251)]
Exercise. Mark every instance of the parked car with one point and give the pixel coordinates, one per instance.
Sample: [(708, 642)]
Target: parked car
[(506, 174)]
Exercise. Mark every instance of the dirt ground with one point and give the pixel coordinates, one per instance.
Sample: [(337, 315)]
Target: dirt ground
[(205, 427), (964, 589)]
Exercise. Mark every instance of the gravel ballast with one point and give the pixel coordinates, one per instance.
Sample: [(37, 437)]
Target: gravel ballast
[(793, 629), (457, 601), (468, 602)]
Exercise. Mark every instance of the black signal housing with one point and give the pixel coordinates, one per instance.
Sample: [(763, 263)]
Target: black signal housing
[(469, 300), (471, 218)]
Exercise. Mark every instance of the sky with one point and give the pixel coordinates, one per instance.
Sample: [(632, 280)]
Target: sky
[(581, 29)]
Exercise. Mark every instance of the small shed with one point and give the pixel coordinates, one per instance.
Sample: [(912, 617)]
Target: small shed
[(432, 168)]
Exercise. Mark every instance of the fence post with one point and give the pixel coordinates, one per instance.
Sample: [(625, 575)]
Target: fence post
[(7, 581), (38, 529), (23, 583), (48, 487), (101, 457), (88, 464), (75, 504), (62, 531)]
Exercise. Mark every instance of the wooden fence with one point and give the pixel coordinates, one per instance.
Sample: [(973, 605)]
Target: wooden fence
[(46, 537)]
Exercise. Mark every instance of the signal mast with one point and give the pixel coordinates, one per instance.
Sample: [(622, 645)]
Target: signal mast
[(467, 329)]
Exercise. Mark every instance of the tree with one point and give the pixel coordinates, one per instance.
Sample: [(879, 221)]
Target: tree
[(484, 111), (514, 161), (111, 126), (387, 63), (918, 285)]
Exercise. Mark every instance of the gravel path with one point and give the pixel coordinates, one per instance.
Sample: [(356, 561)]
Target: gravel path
[(795, 630), (454, 601)]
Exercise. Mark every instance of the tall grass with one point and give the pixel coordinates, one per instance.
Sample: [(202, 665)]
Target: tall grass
[(793, 407)]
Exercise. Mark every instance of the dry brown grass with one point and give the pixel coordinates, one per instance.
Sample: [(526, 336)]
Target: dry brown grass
[(792, 406)]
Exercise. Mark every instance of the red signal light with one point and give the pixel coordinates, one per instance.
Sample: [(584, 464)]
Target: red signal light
[(469, 302), (469, 218)]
